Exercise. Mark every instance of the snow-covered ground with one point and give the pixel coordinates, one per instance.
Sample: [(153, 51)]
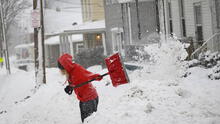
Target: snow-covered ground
[(157, 94)]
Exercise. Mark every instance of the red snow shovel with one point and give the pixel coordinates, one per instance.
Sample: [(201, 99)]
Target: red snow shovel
[(116, 70)]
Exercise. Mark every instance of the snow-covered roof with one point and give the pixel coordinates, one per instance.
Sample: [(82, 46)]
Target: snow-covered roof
[(56, 39), (24, 45), (77, 38), (90, 25), (57, 22), (52, 40)]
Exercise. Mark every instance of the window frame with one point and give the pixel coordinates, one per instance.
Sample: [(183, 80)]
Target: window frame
[(217, 9), (170, 17), (198, 23), (182, 18)]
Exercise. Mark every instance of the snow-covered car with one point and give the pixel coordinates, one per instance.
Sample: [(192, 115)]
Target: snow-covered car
[(24, 64), (24, 56)]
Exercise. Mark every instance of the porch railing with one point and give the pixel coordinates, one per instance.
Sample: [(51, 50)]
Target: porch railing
[(204, 45)]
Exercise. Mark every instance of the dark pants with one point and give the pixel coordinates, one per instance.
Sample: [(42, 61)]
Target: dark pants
[(87, 108)]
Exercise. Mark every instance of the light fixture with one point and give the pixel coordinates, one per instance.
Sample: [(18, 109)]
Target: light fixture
[(98, 37)]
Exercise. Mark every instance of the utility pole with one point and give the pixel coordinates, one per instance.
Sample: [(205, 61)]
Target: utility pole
[(40, 72), (42, 40), (36, 53), (5, 44)]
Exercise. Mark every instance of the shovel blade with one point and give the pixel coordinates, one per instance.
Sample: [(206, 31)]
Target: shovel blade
[(116, 70)]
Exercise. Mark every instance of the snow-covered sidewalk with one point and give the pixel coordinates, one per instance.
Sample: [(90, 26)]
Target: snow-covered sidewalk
[(194, 99)]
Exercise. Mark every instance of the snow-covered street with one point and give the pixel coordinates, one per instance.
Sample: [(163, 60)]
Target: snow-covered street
[(154, 96)]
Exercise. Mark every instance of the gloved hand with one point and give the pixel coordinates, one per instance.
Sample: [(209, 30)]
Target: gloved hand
[(98, 77), (68, 90)]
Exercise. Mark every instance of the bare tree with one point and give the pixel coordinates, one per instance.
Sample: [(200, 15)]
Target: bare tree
[(11, 8)]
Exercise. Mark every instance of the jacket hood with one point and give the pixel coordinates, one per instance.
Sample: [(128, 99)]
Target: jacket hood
[(66, 61)]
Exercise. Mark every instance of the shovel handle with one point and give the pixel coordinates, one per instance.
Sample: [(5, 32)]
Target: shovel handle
[(84, 83), (105, 74)]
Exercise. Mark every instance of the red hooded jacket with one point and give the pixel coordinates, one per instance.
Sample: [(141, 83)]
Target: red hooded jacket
[(78, 75)]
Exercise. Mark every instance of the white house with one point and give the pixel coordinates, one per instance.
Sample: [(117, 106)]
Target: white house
[(199, 19)]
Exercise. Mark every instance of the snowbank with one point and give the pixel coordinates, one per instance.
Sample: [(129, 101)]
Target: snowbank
[(166, 60)]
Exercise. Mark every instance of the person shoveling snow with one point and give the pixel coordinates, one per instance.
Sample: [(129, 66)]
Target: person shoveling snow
[(76, 74), (79, 80)]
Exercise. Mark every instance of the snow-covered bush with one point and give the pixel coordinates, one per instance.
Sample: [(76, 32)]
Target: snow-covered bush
[(193, 63), (209, 59), (215, 72)]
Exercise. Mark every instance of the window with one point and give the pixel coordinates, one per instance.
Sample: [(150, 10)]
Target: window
[(170, 18), (89, 10), (182, 17), (198, 14), (86, 9), (79, 47), (198, 21), (109, 2), (114, 1), (217, 7), (83, 9)]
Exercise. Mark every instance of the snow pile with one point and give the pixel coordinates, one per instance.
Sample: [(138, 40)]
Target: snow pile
[(173, 51), (166, 58), (19, 103), (14, 87)]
